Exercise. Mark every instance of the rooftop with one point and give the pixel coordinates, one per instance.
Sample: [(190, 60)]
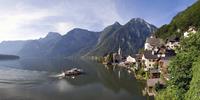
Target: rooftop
[(154, 41), (148, 55)]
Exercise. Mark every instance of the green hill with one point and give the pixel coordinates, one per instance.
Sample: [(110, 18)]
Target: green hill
[(182, 21)]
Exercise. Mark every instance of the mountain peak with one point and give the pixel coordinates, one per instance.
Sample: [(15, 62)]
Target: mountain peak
[(53, 34), (137, 20), (116, 23), (79, 29)]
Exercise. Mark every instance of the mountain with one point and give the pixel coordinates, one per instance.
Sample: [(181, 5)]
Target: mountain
[(76, 42), (181, 22), (81, 42), (11, 47), (129, 37), (40, 47)]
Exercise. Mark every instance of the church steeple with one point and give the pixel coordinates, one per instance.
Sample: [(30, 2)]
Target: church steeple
[(119, 51)]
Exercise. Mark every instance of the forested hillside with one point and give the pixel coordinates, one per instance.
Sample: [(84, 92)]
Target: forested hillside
[(181, 22)]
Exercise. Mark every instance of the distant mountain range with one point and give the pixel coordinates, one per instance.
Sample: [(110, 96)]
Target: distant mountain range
[(75, 43), (41, 47), (11, 47), (80, 42)]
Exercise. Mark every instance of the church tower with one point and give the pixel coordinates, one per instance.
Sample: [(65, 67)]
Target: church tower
[(119, 51)]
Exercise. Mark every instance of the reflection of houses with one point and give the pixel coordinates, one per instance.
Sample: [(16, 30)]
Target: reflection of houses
[(152, 42), (149, 59), (151, 83), (190, 30)]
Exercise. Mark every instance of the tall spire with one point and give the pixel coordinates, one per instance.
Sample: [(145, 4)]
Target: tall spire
[(119, 51)]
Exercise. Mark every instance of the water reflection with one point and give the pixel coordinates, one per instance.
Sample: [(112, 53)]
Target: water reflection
[(30, 79)]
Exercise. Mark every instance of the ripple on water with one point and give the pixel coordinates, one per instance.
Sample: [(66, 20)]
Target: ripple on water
[(12, 76)]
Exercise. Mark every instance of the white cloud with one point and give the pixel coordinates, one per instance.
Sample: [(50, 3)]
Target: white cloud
[(30, 19), (63, 27), (14, 23)]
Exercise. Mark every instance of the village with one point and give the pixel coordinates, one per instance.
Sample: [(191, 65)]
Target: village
[(150, 64)]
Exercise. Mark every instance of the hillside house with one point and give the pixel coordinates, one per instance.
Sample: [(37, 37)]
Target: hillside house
[(151, 85), (189, 31), (152, 42), (172, 43)]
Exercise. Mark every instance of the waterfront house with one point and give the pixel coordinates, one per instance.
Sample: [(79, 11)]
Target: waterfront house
[(150, 89), (154, 73), (150, 59)]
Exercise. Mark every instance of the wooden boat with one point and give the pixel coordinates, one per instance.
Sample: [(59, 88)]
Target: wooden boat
[(71, 72)]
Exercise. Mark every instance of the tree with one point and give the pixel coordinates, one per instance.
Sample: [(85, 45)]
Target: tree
[(194, 91), (183, 68)]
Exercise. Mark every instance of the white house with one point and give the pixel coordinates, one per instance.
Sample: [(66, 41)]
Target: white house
[(130, 59), (190, 30)]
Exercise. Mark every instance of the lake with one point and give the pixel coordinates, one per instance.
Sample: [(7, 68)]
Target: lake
[(35, 79)]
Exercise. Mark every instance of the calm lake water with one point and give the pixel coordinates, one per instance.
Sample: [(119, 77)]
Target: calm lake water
[(34, 79)]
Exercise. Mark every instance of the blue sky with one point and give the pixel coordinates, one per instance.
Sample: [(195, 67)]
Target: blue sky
[(32, 19)]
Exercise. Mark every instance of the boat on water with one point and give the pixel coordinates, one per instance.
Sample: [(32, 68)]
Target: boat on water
[(72, 72)]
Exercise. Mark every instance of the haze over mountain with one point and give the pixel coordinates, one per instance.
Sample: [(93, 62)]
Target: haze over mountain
[(11, 47), (40, 47), (75, 43)]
